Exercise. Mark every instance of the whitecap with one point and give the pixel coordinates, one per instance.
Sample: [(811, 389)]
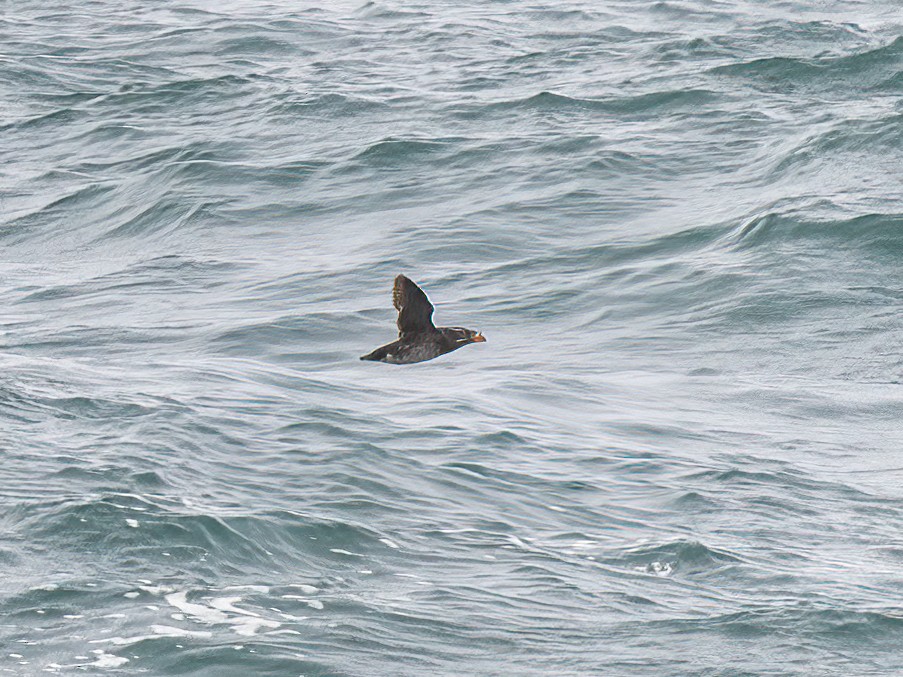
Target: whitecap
[(249, 626), (202, 612), (246, 623), (170, 631), (156, 589), (159, 631), (108, 660), (303, 587), (228, 604), (516, 541), (262, 589), (657, 568)]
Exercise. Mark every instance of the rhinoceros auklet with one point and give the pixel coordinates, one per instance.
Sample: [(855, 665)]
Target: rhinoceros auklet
[(418, 338)]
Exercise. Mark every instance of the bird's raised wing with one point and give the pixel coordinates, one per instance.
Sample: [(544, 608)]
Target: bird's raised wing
[(415, 312)]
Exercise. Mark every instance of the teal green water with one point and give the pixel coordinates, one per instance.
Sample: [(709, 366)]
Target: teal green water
[(679, 224)]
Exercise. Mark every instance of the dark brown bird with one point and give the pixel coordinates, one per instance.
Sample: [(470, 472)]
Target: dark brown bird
[(418, 338)]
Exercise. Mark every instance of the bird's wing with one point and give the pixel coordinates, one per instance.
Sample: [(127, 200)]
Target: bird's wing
[(415, 311)]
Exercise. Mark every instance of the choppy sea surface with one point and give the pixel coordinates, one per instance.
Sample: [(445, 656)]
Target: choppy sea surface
[(678, 223)]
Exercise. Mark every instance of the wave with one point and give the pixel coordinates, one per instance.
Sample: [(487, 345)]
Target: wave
[(168, 89), (157, 220), (877, 232), (257, 45), (640, 104), (379, 10), (869, 69), (393, 151), (804, 619), (162, 273), (847, 138), (27, 226), (677, 557), (123, 525), (52, 119), (327, 104)]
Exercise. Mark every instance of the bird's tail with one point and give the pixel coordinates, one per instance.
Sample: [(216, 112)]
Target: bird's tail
[(377, 355)]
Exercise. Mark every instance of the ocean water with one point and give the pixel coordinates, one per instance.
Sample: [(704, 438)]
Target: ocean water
[(679, 225)]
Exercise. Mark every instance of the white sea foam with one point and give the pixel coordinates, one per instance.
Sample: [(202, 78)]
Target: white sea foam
[(171, 631), (156, 589), (228, 604), (244, 622), (201, 612), (658, 568), (249, 626), (158, 631), (108, 660), (518, 542), (262, 589), (305, 588)]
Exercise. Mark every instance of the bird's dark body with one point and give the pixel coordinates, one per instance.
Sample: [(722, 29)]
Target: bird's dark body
[(418, 339), (424, 345)]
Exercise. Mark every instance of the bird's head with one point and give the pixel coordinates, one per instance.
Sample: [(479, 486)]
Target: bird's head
[(462, 336)]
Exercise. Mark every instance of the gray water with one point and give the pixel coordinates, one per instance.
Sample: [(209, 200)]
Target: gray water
[(679, 225)]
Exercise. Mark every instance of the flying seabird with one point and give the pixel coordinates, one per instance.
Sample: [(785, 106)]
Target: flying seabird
[(418, 338)]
